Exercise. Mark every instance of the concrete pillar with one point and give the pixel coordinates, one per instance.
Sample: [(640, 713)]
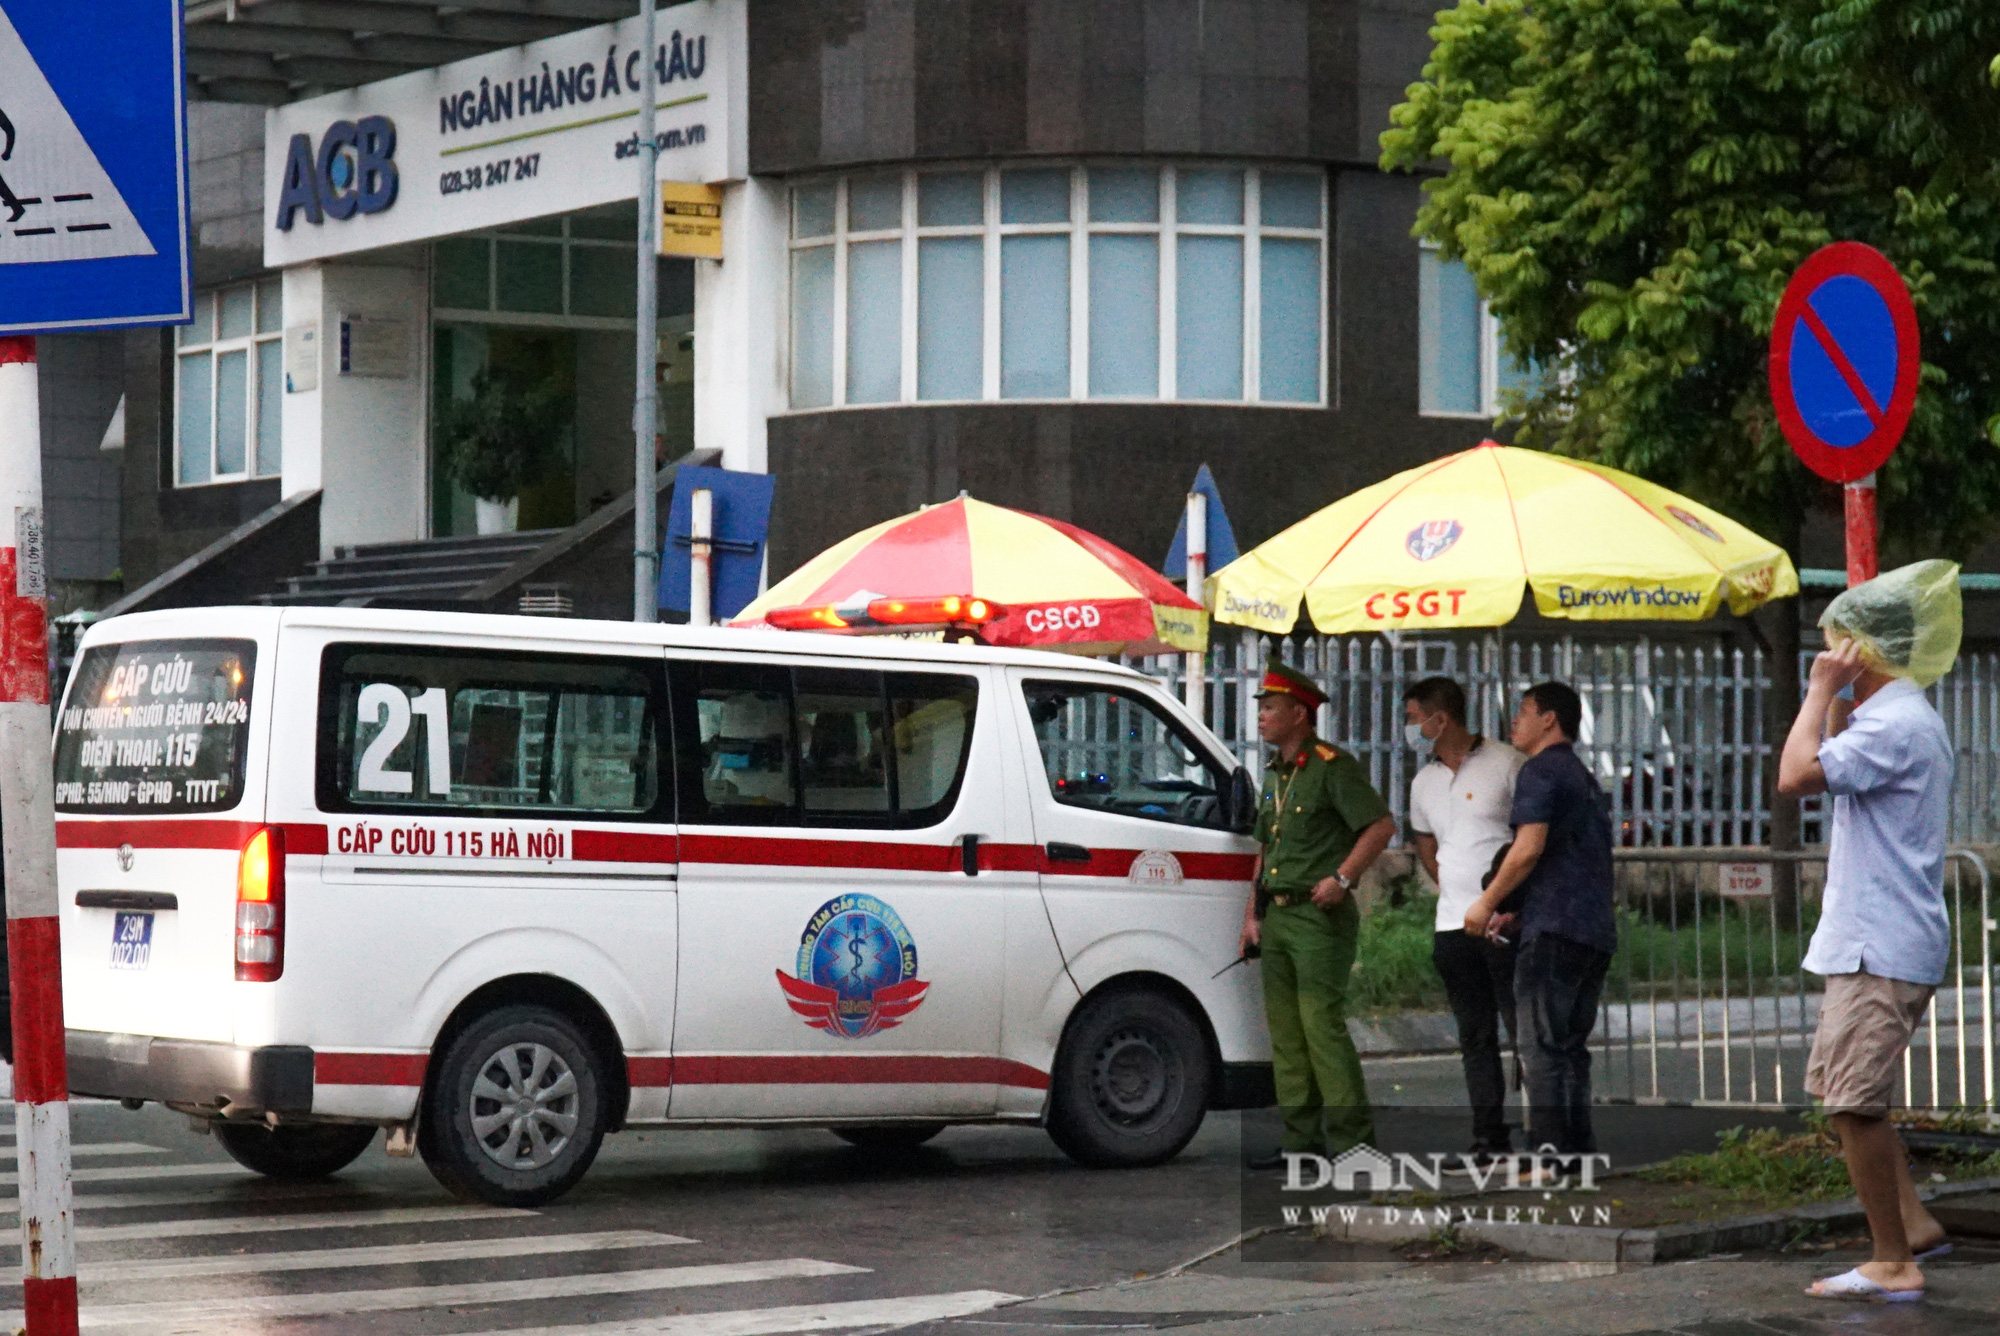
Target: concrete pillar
[(739, 326), (361, 435)]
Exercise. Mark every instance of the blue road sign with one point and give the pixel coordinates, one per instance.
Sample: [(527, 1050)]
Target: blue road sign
[(93, 165), (1221, 538), (740, 519)]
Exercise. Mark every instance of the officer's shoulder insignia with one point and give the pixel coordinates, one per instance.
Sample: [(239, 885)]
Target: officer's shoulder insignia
[(1326, 753)]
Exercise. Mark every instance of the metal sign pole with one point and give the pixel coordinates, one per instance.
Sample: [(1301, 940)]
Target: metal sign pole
[(28, 820), (1861, 560), (1197, 573), (645, 399)]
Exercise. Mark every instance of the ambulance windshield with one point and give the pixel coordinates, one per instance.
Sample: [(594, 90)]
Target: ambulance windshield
[(156, 727)]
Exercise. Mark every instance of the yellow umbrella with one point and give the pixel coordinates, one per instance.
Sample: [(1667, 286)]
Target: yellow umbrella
[(1453, 542)]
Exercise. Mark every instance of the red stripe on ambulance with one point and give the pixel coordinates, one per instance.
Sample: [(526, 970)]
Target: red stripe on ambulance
[(886, 1069), (171, 833)]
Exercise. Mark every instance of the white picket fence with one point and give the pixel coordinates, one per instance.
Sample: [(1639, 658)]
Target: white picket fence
[(1675, 731)]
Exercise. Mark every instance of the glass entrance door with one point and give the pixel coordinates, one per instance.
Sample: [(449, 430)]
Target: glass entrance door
[(544, 310)]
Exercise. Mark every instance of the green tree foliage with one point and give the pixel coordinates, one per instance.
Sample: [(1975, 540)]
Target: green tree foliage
[(1631, 182)]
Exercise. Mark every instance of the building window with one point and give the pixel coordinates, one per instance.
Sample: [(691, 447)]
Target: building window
[(1059, 282), (1463, 364), (229, 386)]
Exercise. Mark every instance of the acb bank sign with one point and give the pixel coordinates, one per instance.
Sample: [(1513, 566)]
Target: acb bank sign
[(352, 171), (534, 130)]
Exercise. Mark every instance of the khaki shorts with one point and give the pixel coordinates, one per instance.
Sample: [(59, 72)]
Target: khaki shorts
[(1865, 1024)]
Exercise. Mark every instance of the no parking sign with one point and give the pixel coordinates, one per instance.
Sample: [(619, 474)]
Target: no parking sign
[(1844, 366), (1844, 360)]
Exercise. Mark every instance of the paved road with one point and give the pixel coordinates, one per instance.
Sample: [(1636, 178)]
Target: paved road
[(722, 1233)]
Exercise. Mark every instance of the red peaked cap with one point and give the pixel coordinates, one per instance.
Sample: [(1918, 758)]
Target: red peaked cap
[(1282, 681)]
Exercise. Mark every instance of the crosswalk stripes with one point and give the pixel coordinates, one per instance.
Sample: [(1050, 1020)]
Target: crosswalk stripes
[(204, 1313), (215, 1286), (123, 1173), (275, 1224), (222, 1194), (95, 1148), (393, 1254), (794, 1317)]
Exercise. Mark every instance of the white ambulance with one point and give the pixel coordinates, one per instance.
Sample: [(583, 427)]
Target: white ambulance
[(504, 884)]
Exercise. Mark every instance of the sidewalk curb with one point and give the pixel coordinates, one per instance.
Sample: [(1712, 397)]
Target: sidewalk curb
[(1638, 1247)]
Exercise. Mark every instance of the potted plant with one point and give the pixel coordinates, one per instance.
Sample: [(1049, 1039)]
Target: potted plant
[(499, 440)]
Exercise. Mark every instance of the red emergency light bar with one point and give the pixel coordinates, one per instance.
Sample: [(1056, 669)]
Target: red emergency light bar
[(886, 613)]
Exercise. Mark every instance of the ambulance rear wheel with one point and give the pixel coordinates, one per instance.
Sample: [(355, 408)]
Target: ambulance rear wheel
[(295, 1153), (515, 1111), (887, 1137), (1131, 1082)]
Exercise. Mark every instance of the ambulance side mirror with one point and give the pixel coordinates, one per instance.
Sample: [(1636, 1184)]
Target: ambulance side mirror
[(1242, 806)]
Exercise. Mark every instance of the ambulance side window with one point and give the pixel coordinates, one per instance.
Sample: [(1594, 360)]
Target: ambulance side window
[(742, 771), (932, 716), (762, 744), (843, 750), (1117, 751), (474, 731)]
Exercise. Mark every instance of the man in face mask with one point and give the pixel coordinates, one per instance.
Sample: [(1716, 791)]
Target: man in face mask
[(1459, 806)]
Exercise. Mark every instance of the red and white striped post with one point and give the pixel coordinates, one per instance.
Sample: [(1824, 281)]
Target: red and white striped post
[(28, 823)]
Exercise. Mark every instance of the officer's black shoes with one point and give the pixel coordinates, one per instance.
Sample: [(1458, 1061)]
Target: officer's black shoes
[(1481, 1157), (1264, 1164)]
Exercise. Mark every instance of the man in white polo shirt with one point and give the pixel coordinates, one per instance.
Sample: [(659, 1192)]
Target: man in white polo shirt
[(1884, 938), (1459, 809)]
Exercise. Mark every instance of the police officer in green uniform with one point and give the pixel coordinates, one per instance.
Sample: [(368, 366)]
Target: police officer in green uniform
[(1321, 824)]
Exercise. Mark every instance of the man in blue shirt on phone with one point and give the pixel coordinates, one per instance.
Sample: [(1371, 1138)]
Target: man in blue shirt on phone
[(1560, 861)]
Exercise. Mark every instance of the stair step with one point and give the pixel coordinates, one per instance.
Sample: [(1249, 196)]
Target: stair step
[(522, 540), (433, 561), (336, 573), (440, 592)]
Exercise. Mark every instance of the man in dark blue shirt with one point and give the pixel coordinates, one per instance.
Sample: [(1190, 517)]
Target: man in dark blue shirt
[(1560, 861)]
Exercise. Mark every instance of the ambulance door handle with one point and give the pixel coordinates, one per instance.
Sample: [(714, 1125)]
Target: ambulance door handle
[(1060, 852), (968, 849)]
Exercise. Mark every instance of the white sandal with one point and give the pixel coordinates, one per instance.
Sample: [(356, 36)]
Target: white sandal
[(1853, 1285)]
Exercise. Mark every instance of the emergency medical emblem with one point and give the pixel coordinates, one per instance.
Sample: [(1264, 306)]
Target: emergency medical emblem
[(857, 969), (1694, 522), (1155, 867), (1432, 538)]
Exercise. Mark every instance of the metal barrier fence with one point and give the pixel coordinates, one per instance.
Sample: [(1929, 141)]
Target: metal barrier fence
[(1674, 731), (1705, 1002)]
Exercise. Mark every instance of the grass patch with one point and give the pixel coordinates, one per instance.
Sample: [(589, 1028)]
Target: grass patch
[(1678, 950), (1763, 1165), (1770, 1168), (1392, 961)]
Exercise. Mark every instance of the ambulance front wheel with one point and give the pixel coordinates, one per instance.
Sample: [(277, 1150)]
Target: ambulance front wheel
[(1131, 1080), (295, 1153), (514, 1113)]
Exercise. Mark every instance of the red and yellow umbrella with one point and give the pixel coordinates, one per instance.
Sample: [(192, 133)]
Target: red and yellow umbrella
[(1020, 579)]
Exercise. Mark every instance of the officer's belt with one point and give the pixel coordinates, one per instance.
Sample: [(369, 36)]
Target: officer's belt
[(1281, 899)]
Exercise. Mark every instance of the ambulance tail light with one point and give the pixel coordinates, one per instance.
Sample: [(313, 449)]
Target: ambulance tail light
[(260, 907), (825, 617), (959, 609)]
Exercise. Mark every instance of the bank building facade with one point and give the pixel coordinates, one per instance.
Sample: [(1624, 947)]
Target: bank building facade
[(1053, 253)]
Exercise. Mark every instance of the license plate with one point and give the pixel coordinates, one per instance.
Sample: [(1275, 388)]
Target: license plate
[(131, 941)]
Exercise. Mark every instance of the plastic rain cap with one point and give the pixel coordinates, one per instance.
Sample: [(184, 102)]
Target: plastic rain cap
[(1908, 621)]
